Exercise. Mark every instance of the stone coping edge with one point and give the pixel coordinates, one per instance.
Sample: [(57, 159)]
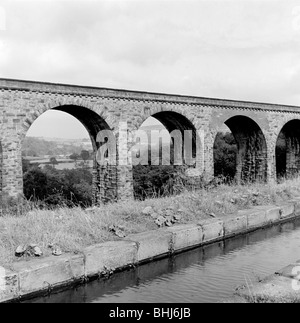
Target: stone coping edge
[(37, 277), (281, 287)]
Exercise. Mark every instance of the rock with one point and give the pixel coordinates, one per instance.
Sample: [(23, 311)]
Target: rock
[(169, 218), (120, 233), (33, 250), (117, 230), (37, 251), (177, 217), (148, 210), (212, 215), (56, 251), (160, 221), (154, 215), (169, 212), (112, 228), (168, 221), (30, 250), (180, 211), (20, 251)]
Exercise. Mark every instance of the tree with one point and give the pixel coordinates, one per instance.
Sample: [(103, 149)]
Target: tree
[(225, 151), (281, 154), (35, 184), (25, 165), (53, 161), (74, 156), (67, 187), (85, 155)]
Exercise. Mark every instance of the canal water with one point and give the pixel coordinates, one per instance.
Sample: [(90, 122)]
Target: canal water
[(205, 274)]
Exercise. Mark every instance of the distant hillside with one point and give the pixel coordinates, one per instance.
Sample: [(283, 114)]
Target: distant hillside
[(66, 140), (37, 147)]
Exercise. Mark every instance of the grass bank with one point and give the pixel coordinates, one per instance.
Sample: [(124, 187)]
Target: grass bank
[(74, 229)]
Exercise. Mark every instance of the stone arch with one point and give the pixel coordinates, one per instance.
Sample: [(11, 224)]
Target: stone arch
[(288, 149), (176, 121), (147, 111), (70, 105), (187, 140), (104, 177), (280, 120), (251, 164), (174, 117)]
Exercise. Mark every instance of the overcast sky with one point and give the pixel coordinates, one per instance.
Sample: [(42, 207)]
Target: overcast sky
[(243, 50)]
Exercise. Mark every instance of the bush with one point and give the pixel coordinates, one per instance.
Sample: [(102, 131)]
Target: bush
[(68, 187), (225, 151)]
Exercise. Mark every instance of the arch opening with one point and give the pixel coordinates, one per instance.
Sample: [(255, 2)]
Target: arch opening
[(288, 150), (66, 167), (173, 121), (225, 155), (251, 150), (169, 152)]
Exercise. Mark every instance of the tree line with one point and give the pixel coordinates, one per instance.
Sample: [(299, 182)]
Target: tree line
[(36, 147), (74, 186), (53, 187)]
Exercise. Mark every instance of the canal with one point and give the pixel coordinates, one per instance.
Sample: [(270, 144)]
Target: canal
[(205, 274)]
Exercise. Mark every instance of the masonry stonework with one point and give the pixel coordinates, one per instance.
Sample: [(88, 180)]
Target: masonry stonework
[(255, 126)]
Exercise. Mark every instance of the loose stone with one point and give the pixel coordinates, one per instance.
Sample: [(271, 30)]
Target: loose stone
[(148, 210), (56, 251), (20, 251)]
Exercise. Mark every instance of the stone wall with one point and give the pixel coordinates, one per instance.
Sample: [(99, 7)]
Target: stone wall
[(256, 127)]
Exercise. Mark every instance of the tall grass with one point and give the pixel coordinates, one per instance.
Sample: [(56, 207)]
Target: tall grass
[(75, 228)]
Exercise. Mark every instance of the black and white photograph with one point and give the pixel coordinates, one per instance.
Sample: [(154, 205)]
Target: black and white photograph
[(149, 154)]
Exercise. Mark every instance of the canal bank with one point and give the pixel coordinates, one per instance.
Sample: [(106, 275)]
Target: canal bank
[(26, 279)]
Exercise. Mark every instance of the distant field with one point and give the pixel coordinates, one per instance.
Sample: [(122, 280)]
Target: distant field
[(46, 160), (62, 163)]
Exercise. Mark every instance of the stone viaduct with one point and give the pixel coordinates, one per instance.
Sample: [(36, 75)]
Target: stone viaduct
[(255, 126)]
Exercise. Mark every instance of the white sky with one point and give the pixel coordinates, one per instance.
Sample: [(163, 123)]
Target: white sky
[(235, 49)]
